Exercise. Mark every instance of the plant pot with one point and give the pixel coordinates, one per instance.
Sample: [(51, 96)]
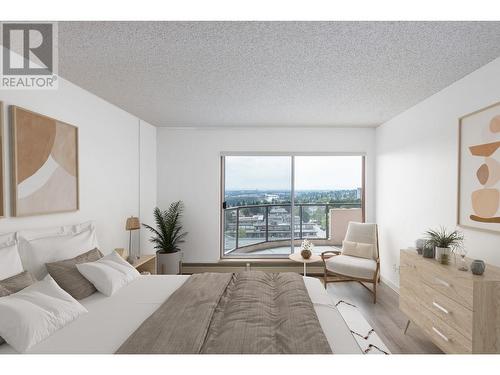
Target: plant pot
[(168, 263), (428, 251), (443, 255)]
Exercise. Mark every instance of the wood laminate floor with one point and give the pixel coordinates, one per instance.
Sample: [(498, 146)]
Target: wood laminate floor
[(385, 317)]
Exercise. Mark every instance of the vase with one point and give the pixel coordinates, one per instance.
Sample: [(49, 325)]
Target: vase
[(419, 245), (477, 267), (168, 263), (443, 255), (428, 251), (306, 254)]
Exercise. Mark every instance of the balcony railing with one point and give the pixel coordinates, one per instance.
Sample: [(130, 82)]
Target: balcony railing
[(247, 226)]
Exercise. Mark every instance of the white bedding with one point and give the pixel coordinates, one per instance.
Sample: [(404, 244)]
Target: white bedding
[(111, 320)]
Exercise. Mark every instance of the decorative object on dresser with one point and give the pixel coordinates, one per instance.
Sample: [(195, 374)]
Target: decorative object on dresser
[(419, 245), (2, 173), (462, 265), (358, 260), (477, 267), (145, 265), (479, 169), (444, 242), (132, 224), (44, 164), (459, 311), (428, 250), (167, 236)]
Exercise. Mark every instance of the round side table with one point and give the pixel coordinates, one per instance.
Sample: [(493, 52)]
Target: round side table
[(296, 257)]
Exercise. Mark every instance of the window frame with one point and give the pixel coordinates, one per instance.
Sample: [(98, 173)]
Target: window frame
[(292, 155)]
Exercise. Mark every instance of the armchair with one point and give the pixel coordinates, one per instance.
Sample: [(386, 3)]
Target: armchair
[(352, 266)]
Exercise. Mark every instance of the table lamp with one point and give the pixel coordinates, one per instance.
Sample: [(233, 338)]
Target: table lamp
[(132, 224)]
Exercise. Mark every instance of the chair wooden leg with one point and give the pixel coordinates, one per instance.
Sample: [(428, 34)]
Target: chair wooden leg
[(375, 292), (325, 278)]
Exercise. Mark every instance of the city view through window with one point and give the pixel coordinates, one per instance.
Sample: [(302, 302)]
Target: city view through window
[(259, 194)]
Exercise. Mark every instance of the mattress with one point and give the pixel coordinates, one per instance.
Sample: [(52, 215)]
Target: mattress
[(111, 320)]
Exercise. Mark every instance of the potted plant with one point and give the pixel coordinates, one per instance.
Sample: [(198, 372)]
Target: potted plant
[(167, 236), (444, 242)]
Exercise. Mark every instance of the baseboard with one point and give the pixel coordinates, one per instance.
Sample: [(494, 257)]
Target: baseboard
[(390, 284), (190, 268)]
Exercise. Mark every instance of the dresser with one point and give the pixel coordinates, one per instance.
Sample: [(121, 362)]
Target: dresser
[(460, 312)]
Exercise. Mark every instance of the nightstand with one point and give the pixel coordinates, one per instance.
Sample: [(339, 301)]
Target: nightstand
[(146, 263)]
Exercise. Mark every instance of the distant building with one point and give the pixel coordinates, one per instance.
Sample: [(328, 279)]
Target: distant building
[(271, 197)]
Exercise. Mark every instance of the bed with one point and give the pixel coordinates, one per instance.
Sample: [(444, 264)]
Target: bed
[(111, 320), (248, 312)]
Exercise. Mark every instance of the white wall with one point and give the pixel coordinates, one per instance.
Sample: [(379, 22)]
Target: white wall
[(189, 170), (148, 182), (108, 156), (416, 168)]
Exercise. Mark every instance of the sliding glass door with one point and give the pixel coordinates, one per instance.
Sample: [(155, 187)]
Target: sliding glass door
[(272, 202), (257, 204)]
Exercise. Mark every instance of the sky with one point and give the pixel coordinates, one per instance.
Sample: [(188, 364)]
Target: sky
[(274, 172)]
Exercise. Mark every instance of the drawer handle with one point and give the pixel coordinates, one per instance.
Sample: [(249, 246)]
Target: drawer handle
[(442, 282), (440, 334), (439, 307)]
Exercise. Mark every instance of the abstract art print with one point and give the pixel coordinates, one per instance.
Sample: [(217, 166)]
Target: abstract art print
[(44, 164), (479, 169)]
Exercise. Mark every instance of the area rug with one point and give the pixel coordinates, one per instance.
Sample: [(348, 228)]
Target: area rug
[(365, 335)]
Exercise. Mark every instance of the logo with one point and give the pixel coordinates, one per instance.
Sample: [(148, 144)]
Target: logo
[(28, 55)]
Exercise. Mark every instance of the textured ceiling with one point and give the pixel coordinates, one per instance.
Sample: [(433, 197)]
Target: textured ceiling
[(271, 73)]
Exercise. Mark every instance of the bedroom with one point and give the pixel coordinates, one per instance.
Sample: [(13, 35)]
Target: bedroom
[(249, 187)]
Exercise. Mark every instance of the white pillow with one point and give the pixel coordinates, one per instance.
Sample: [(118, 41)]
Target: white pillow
[(10, 262), (35, 313), (109, 273), (357, 249), (38, 247)]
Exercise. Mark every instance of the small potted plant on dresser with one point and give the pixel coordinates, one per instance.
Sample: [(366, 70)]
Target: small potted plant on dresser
[(167, 236), (444, 242)]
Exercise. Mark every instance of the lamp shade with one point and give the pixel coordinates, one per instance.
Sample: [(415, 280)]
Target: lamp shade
[(132, 223)]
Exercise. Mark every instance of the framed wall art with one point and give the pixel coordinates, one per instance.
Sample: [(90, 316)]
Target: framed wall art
[(479, 169), (44, 164)]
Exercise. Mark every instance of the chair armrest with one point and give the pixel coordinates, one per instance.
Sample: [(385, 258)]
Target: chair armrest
[(324, 254)]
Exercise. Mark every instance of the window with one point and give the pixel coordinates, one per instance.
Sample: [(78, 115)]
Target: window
[(272, 202)]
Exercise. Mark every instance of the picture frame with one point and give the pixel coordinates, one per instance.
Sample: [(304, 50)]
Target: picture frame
[(478, 198), (44, 164)]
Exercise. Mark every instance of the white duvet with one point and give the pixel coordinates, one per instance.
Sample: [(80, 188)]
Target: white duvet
[(111, 320)]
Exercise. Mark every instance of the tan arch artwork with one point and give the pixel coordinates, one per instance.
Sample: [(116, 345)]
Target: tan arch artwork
[(45, 162)]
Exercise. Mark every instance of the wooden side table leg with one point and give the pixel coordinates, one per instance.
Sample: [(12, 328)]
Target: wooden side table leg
[(305, 269)]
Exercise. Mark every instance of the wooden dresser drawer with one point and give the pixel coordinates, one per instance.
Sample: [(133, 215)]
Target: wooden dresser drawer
[(452, 283), (442, 334), (450, 311)]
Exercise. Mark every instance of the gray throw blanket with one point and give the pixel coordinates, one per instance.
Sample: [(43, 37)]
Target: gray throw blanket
[(241, 313)]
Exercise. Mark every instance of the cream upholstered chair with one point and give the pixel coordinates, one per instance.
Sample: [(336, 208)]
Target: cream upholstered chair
[(358, 260)]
